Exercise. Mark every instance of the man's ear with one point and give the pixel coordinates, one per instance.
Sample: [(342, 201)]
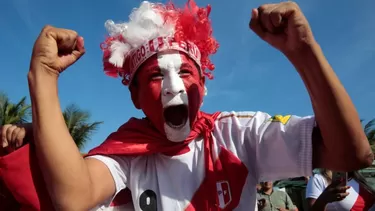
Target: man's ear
[(135, 96), (203, 80), (203, 84)]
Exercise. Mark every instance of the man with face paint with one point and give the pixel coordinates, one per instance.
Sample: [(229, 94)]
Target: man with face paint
[(178, 157), (173, 77)]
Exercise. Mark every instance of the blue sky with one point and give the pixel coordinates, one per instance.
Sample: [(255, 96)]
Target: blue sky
[(249, 74)]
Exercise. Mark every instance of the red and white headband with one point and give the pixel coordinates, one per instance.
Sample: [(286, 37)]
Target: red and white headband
[(139, 55)]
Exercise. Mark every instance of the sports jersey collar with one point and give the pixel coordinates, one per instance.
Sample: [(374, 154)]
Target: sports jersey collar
[(138, 137)]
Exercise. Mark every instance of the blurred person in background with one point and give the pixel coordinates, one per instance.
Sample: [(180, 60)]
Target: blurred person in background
[(322, 193), (270, 199)]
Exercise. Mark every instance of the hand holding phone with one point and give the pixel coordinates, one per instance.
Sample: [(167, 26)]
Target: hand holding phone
[(337, 190), (341, 177)]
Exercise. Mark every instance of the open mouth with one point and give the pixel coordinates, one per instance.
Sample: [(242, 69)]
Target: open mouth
[(176, 116)]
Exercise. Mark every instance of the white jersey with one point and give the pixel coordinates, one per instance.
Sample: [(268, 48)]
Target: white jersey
[(269, 148)]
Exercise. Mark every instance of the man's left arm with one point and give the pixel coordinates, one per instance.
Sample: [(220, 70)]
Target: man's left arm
[(339, 142)]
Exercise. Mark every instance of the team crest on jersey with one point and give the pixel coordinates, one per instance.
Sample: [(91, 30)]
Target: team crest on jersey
[(223, 193), (279, 118)]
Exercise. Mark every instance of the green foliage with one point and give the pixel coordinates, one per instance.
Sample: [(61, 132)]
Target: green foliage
[(370, 131), (79, 126), (77, 120), (13, 113)]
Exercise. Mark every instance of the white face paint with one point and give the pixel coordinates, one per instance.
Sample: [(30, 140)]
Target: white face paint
[(173, 92)]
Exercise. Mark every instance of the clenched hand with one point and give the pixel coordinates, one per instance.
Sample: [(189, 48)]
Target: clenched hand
[(55, 50), (282, 25), (12, 136)]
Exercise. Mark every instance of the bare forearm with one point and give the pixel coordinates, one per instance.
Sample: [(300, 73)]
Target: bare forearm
[(64, 169), (335, 113)]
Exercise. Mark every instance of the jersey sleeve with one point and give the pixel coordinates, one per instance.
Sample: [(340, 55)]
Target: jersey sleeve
[(119, 168), (315, 186), (275, 147)]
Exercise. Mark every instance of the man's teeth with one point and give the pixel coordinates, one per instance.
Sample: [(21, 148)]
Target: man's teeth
[(176, 126)]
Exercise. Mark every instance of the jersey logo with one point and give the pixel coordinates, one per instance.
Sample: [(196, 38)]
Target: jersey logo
[(279, 118), (223, 193), (230, 176)]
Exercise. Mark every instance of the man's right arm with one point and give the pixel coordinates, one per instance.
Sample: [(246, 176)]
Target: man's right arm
[(73, 182)]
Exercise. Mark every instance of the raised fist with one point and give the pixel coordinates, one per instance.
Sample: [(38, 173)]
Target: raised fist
[(282, 25), (56, 49), (13, 136)]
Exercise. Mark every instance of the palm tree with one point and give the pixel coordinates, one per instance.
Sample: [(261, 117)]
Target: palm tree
[(11, 113), (370, 133), (77, 121)]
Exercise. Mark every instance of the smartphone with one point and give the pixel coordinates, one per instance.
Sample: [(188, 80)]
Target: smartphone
[(340, 176)]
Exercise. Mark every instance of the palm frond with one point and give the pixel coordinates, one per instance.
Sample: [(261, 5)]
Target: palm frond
[(11, 113), (369, 130), (3, 98), (74, 116), (83, 133), (77, 121), (370, 126)]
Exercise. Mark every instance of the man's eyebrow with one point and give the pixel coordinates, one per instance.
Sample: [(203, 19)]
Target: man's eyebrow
[(153, 68), (186, 65)]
